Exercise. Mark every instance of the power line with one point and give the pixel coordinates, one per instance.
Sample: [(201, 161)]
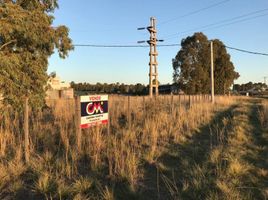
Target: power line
[(222, 22), (160, 45), (122, 46), (109, 46), (246, 51), (194, 12)]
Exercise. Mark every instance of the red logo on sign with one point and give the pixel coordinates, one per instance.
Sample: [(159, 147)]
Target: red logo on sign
[(94, 107)]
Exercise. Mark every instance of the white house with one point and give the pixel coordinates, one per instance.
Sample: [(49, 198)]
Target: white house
[(56, 84), (59, 89)]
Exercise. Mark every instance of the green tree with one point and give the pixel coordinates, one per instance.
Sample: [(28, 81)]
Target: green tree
[(123, 88), (192, 66), (27, 40), (249, 86), (224, 73)]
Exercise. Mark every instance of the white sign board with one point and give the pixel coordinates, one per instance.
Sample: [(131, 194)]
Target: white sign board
[(94, 110)]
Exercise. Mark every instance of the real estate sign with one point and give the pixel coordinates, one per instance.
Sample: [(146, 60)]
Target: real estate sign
[(94, 110)]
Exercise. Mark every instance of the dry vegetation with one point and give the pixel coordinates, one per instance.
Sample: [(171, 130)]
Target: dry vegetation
[(156, 149)]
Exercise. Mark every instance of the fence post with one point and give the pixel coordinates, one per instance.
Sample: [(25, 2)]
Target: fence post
[(78, 122), (189, 101), (26, 130), (109, 118), (143, 103), (172, 102), (128, 112), (179, 102)]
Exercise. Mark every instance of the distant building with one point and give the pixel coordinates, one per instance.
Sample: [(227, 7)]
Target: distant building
[(253, 91), (58, 89), (168, 89), (56, 84)]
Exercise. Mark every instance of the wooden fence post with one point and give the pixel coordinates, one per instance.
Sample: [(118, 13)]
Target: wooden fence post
[(179, 102), (109, 118), (143, 103), (26, 130), (172, 102), (190, 101), (78, 122), (128, 112)]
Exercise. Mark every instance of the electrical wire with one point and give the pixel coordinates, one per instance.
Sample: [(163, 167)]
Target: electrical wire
[(160, 45), (194, 12), (109, 46), (222, 23), (246, 51), (122, 46)]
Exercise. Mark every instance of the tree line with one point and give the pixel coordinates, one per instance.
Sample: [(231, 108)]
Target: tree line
[(249, 86), (113, 88)]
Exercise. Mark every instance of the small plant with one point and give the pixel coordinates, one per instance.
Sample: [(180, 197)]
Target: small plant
[(82, 185), (45, 185), (106, 193)]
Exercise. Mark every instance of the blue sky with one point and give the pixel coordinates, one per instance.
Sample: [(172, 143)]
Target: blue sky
[(116, 22)]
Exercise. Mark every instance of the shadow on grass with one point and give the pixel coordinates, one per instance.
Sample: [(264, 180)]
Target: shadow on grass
[(259, 153), (183, 171)]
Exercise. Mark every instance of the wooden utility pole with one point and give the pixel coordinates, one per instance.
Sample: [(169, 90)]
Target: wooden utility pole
[(26, 130), (212, 72)]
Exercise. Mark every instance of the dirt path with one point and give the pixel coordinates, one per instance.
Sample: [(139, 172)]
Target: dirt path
[(225, 159)]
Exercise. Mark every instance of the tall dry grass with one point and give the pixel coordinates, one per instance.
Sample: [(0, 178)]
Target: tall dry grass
[(138, 133), (263, 114)]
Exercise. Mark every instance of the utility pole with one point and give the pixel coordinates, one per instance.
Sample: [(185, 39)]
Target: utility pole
[(153, 75), (212, 72), (153, 64)]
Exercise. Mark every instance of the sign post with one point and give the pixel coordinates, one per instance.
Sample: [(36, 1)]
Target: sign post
[(78, 121)]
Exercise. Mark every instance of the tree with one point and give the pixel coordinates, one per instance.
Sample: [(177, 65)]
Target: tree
[(123, 88), (224, 69), (27, 40), (249, 86), (192, 66)]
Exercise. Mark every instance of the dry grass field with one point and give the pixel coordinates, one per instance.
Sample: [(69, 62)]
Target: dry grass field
[(164, 148)]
